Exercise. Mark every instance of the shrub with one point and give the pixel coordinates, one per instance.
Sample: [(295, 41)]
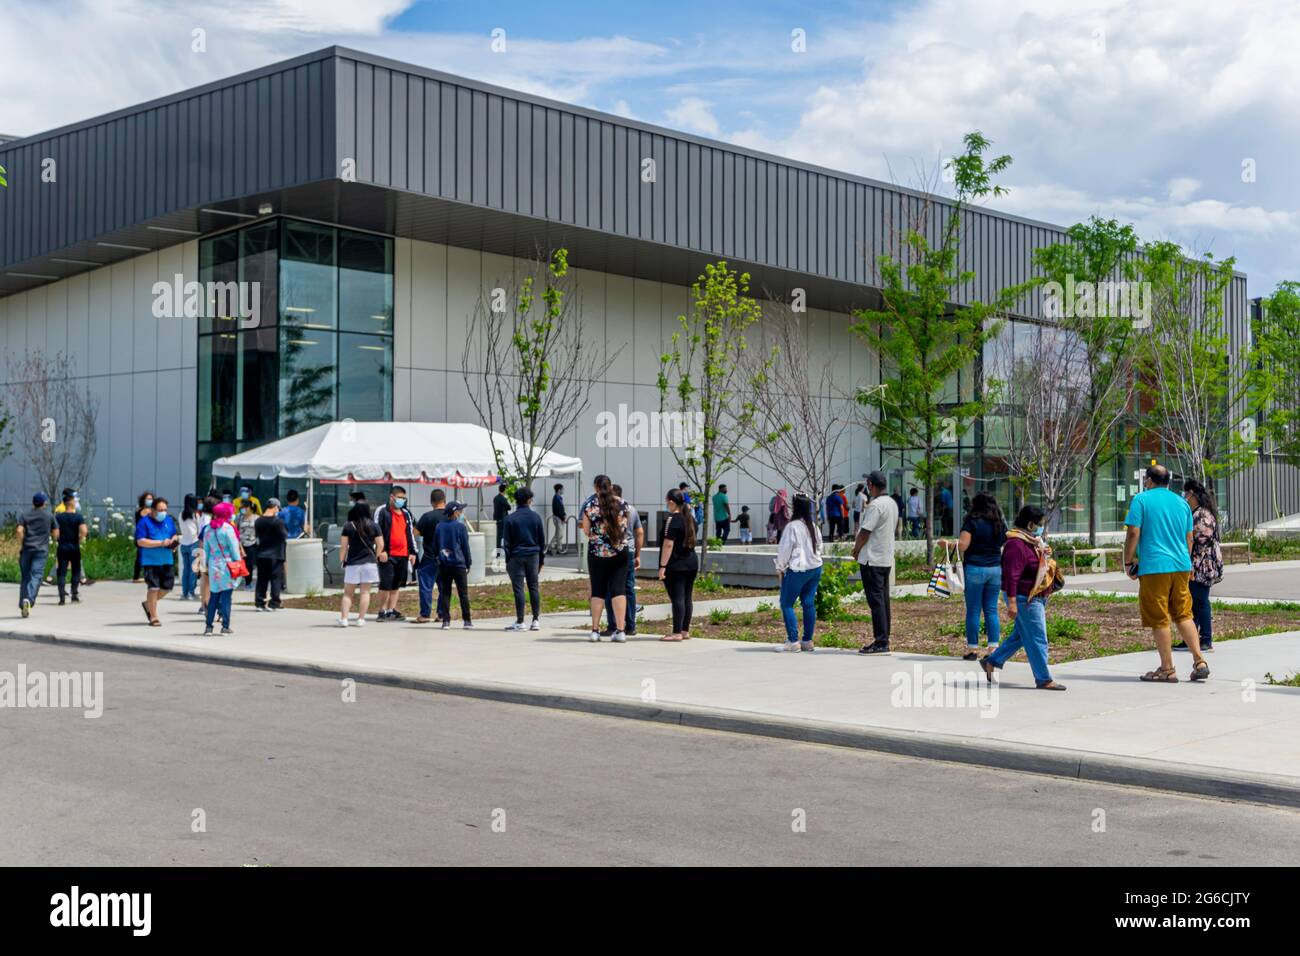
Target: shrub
[(1063, 630), (719, 616), (839, 580), (709, 582)]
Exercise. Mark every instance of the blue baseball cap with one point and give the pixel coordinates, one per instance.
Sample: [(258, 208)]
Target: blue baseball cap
[(40, 498)]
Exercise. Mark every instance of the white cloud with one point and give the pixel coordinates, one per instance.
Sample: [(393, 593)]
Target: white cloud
[(693, 115)]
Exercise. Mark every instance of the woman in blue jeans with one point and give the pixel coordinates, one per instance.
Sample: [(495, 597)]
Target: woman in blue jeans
[(983, 534), (799, 563), (1022, 557)]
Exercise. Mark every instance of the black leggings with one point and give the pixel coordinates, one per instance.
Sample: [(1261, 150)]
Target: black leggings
[(446, 576), (523, 568), (608, 575), (68, 561), (681, 590)]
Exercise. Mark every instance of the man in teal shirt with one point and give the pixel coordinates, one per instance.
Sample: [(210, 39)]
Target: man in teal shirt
[(722, 513), (1158, 555)]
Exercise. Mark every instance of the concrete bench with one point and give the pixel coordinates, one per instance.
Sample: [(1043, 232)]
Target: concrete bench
[(1093, 553), (1234, 547)]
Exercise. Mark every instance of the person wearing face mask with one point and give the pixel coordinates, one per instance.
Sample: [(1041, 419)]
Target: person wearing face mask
[(246, 495), (156, 537), (1024, 581), (397, 526), (193, 519), (246, 525), (143, 507)]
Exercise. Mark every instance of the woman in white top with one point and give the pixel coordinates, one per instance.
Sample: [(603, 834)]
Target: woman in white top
[(799, 563), (193, 520)]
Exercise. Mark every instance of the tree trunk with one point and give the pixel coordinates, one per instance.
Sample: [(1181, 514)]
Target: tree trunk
[(1092, 505)]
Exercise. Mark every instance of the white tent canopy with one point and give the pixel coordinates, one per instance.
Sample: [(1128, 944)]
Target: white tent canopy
[(455, 453)]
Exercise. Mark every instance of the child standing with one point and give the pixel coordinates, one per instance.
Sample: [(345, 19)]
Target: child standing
[(746, 537)]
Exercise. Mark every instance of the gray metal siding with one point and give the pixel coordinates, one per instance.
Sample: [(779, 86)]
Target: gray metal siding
[(253, 134)]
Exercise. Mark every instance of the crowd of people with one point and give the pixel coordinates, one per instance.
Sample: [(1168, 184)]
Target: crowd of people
[(226, 541)]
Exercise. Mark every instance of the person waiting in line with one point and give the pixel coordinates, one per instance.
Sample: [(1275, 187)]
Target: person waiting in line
[(157, 537), (558, 517), (915, 513), (1207, 560), (363, 551), (523, 540), (1025, 583), (746, 533), (1158, 555), (192, 521), (873, 549), (500, 511), (983, 533), (779, 512), (70, 530), (679, 564), (834, 506), (272, 536), (799, 567), (221, 548), (246, 525), (143, 506), (246, 495), (606, 522), (454, 562), (34, 531), (636, 530), (210, 507), (426, 571), (860, 500), (293, 515), (397, 525), (59, 509), (722, 513)]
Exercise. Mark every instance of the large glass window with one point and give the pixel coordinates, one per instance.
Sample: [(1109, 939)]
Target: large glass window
[(320, 348)]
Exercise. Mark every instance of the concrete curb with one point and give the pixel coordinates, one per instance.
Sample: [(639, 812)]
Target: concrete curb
[(1217, 782)]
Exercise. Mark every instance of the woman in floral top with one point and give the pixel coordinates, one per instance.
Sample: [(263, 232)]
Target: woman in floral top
[(1207, 558), (607, 523)]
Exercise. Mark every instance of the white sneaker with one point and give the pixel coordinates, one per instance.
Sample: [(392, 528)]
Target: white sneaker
[(619, 637), (787, 646), (535, 626), (594, 637), (516, 626), (342, 621), (360, 622)]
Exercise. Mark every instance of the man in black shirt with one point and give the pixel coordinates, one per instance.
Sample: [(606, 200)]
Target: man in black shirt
[(271, 537), (500, 511), (426, 572), (71, 530), (558, 517), (34, 529), (523, 541)]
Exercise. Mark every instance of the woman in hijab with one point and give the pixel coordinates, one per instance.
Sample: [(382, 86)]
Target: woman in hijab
[(220, 548), (781, 511)]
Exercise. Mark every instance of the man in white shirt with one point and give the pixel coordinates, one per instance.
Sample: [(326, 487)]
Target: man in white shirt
[(873, 549)]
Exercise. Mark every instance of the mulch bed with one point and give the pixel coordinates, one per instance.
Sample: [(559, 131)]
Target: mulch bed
[(1079, 626)]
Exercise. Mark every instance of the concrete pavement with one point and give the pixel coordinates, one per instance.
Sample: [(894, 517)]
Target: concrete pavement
[(1232, 736), (286, 772)]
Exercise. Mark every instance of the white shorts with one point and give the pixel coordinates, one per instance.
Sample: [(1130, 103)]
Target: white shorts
[(361, 573)]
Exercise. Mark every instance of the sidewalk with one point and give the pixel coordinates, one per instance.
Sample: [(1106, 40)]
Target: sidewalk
[(1229, 737)]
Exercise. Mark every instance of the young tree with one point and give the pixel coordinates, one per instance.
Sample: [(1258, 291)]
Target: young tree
[(1199, 393), (533, 380), (54, 419), (923, 340), (795, 414), (1277, 342), (702, 378), (1098, 256)]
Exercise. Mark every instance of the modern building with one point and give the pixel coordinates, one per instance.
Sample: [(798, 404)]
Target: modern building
[(374, 202)]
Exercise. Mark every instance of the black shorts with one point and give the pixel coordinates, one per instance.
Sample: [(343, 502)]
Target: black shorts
[(392, 573), (606, 571), (159, 577)]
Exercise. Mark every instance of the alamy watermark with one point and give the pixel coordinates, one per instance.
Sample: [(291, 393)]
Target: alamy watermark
[(179, 299), (634, 429), (1088, 300), (943, 689), (62, 689)]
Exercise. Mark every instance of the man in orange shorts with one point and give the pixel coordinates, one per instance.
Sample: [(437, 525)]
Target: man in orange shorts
[(1158, 555)]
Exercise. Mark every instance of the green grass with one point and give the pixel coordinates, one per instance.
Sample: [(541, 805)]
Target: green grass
[(719, 616), (102, 559), (1292, 681)]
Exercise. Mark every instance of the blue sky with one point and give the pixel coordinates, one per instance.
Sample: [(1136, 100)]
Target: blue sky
[(1144, 110)]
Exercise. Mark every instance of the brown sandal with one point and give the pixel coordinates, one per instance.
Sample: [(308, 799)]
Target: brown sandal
[(1160, 676), (1201, 671)]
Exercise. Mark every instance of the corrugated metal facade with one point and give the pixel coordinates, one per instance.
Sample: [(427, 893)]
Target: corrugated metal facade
[(254, 133)]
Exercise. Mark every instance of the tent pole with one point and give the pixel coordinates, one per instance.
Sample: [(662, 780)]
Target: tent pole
[(311, 508)]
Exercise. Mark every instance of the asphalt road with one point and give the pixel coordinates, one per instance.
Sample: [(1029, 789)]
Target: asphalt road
[(286, 772)]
